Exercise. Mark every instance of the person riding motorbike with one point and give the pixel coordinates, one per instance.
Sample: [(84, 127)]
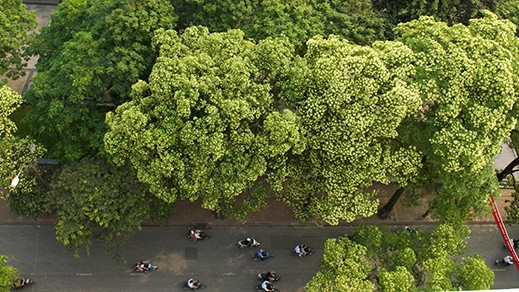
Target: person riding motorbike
[(18, 283), (145, 266), (141, 267), (262, 254), (301, 250), (193, 284), (514, 242), (197, 234), (21, 282), (268, 276), (249, 241), (507, 260), (267, 286)]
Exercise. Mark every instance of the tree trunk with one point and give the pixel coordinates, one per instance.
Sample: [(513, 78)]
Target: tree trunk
[(508, 169), (383, 213)]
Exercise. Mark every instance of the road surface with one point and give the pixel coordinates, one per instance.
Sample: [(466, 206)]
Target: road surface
[(217, 262)]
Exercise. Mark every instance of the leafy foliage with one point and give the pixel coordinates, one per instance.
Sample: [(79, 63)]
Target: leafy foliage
[(216, 16), (344, 267), (509, 9), (18, 155), (254, 199), (473, 274), (8, 274), (89, 55), (298, 20), (351, 99), (301, 20), (451, 11), (96, 201), (512, 210), (29, 198), (403, 260), (206, 126), (468, 83), (17, 22), (9, 102), (399, 279)]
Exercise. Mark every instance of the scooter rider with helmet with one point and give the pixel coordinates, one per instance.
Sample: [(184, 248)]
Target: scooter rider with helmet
[(193, 284), (267, 286)]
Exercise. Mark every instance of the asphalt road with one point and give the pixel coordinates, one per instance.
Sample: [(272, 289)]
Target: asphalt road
[(488, 242), (216, 262)]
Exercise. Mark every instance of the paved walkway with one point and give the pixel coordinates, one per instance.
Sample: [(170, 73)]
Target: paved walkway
[(275, 213)]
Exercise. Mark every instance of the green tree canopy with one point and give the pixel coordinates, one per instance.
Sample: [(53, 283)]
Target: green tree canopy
[(207, 124), (16, 22), (301, 20), (400, 279), (509, 9), (451, 11), (402, 260), (217, 16), (89, 56), (468, 80), (351, 99), (18, 155), (97, 201), (473, 274), (8, 274), (344, 267)]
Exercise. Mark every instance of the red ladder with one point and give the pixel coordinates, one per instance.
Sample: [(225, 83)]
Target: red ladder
[(504, 233)]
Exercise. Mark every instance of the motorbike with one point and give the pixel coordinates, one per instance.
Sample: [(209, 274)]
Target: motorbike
[(302, 250), (248, 242), (21, 282), (185, 285), (268, 276), (502, 262), (514, 242), (197, 234), (266, 255), (144, 267)]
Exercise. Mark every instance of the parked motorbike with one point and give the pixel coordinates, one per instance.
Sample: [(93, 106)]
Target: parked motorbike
[(248, 242), (268, 276), (21, 282), (197, 234), (261, 255), (144, 267), (302, 250)]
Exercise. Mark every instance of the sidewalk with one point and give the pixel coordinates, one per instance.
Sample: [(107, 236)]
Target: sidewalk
[(275, 213)]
